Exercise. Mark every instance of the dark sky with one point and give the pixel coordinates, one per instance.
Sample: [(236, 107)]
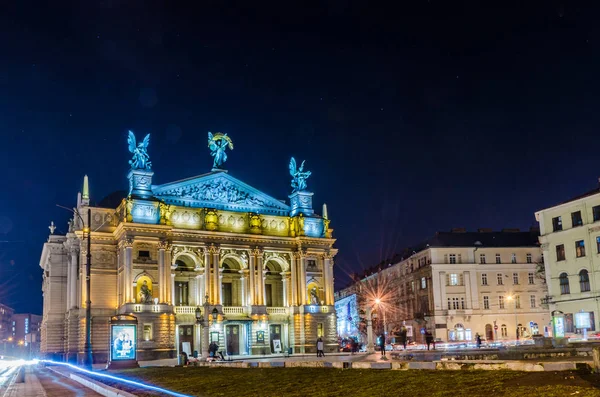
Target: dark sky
[(415, 118)]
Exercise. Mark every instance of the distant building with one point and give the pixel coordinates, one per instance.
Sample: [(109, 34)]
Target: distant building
[(5, 322), (26, 328), (457, 284), (348, 317), (570, 241)]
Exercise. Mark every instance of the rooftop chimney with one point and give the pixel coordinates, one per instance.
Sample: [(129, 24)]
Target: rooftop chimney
[(484, 230), (514, 230), (458, 230)]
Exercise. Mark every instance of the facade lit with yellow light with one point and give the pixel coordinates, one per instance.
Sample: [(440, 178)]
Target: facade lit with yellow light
[(222, 260)]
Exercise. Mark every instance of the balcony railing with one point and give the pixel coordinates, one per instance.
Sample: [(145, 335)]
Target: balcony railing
[(187, 310), (277, 310), (144, 308), (233, 310)]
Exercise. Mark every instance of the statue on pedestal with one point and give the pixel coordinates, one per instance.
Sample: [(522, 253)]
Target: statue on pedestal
[(217, 144), (299, 176), (140, 160), (145, 293)]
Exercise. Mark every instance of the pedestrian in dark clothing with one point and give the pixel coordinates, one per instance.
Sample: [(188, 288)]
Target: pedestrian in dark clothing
[(403, 337), (382, 344), (478, 340), (428, 339), (320, 348)]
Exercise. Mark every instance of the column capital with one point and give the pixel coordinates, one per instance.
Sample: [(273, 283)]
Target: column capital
[(213, 249), (300, 254), (257, 252), (164, 245), (127, 242)]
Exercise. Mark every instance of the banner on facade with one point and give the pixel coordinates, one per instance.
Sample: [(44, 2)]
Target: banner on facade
[(260, 337), (276, 345), (583, 320)]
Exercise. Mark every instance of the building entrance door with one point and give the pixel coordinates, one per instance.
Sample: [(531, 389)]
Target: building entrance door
[(186, 339), (489, 332), (233, 340), (274, 334)]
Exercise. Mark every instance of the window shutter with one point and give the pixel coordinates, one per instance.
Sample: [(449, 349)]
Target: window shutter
[(447, 279), (459, 258), (445, 258), (460, 279)]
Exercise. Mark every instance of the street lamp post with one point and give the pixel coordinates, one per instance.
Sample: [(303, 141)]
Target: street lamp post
[(516, 320), (370, 347), (87, 348)]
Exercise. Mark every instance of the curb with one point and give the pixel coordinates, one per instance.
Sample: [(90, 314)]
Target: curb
[(96, 386)]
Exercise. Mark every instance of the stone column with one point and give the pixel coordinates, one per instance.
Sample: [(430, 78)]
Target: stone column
[(72, 290), (167, 274), (205, 337), (206, 275), (294, 281), (173, 300), (220, 287), (162, 287), (284, 281), (442, 278), (261, 279), (193, 292), (243, 288), (128, 243), (302, 277), (326, 278), (467, 281), (199, 299), (252, 279), (216, 296)]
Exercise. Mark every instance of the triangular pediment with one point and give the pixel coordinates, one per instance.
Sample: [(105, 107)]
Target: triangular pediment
[(219, 190)]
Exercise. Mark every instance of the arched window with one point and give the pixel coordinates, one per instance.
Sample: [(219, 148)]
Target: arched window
[(564, 284), (503, 330), (584, 281)]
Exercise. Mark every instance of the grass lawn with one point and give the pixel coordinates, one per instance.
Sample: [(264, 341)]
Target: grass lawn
[(203, 381)]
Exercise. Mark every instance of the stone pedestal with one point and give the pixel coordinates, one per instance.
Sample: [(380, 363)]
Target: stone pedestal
[(301, 203), (140, 183)]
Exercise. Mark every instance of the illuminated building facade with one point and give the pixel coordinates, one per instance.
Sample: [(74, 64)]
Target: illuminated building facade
[(5, 322), (570, 241), (457, 284), (208, 258)]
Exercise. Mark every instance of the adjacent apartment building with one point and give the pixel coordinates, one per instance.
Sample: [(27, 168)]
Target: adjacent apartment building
[(457, 284), (570, 242), (5, 322)]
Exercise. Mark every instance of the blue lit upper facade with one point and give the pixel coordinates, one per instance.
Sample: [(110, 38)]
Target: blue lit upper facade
[(216, 201)]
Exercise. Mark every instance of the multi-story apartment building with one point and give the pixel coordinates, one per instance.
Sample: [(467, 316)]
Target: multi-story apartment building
[(5, 322), (570, 241), (26, 328), (457, 284)]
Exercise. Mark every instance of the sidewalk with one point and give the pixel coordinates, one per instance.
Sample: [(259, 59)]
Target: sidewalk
[(41, 382)]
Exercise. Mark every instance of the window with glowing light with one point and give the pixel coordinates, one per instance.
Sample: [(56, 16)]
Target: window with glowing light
[(486, 302), (423, 283), (501, 302), (453, 279), (147, 332)]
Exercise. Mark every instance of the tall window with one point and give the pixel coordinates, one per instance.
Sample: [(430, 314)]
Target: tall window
[(501, 302), (452, 303), (513, 258), (423, 283), (517, 301), (531, 278), (452, 258), (498, 259), (500, 278), (529, 260), (532, 301), (579, 248), (482, 259), (598, 243), (557, 224), (596, 213), (560, 252), (564, 284), (503, 330), (516, 278), (484, 279), (584, 281), (462, 303), (576, 218), (486, 302), (453, 279)]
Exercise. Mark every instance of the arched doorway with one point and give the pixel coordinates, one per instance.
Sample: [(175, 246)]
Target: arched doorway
[(489, 332), (273, 284), (231, 287)]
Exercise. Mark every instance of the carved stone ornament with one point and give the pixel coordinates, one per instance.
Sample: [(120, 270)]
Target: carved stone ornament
[(127, 242)]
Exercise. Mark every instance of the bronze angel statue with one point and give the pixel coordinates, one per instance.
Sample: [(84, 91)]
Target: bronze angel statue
[(140, 160), (299, 176), (217, 144)]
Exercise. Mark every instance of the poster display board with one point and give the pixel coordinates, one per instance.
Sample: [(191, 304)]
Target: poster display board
[(123, 342), (583, 320), (260, 337), (558, 325), (276, 345)]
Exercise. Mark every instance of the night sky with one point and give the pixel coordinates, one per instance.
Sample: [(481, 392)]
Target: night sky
[(431, 115)]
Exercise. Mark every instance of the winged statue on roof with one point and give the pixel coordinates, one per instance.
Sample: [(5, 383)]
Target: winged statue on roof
[(299, 176), (141, 159), (217, 143)]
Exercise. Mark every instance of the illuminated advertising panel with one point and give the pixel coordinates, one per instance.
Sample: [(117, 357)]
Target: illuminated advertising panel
[(123, 342)]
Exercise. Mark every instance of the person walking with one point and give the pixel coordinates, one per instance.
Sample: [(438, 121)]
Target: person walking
[(478, 340), (428, 339), (382, 344), (403, 336), (320, 348)]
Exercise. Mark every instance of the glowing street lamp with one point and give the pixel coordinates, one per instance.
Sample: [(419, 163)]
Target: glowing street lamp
[(510, 298)]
